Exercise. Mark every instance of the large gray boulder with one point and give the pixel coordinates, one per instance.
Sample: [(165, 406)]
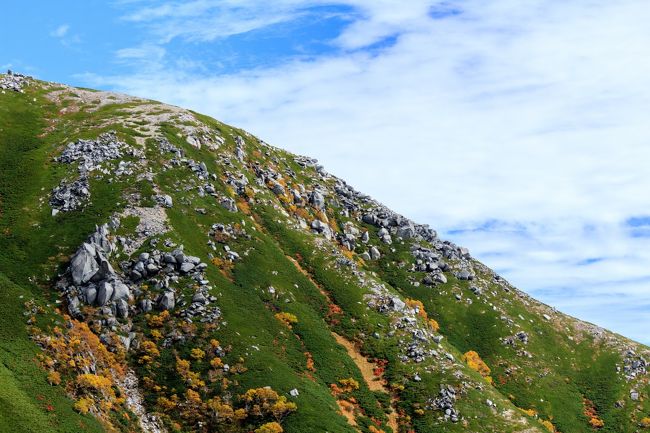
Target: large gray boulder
[(83, 266), (120, 291), (90, 294), (105, 293)]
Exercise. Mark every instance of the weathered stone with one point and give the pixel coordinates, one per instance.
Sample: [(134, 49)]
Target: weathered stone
[(167, 301), (317, 200), (120, 290), (83, 266), (121, 309), (186, 267), (104, 293)]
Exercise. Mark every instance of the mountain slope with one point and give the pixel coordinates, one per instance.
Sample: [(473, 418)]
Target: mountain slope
[(162, 271)]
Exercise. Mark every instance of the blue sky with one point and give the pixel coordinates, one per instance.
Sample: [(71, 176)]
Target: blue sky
[(516, 128)]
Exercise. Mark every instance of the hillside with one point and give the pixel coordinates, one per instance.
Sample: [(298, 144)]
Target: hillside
[(161, 271)]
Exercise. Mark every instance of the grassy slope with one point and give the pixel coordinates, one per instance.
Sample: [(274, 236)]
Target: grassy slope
[(27, 402)]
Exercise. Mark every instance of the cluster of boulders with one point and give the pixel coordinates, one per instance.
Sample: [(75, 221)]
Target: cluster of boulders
[(162, 270), (634, 365), (445, 402), (429, 261), (202, 136), (240, 153), (90, 154), (14, 81), (69, 195), (164, 200), (513, 340), (92, 280)]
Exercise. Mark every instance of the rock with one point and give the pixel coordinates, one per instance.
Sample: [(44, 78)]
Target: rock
[(634, 395), (83, 266), (465, 275), (365, 237), (70, 196), (317, 199), (167, 301), (167, 201), (294, 393), (121, 309), (229, 204), (90, 294), (105, 271), (146, 305), (186, 267), (374, 253), (365, 256), (120, 291), (104, 293), (397, 304), (406, 231)]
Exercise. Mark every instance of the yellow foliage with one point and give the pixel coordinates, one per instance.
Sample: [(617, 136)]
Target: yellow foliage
[(220, 410), (158, 320), (549, 426), (197, 353), (265, 401), (83, 405), (530, 412), (645, 422), (349, 385), (596, 422), (433, 323), (94, 381), (270, 427), (373, 429), (214, 343), (54, 378), (287, 319), (166, 404), (216, 362), (150, 348)]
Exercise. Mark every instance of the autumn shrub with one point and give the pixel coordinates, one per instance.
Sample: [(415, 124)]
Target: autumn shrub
[(475, 362), (270, 427), (287, 319), (645, 422)]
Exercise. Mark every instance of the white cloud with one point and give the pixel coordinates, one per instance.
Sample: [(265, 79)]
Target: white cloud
[(529, 113), (60, 31)]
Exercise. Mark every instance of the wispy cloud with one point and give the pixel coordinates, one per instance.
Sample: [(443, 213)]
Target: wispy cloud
[(60, 31), (517, 128)]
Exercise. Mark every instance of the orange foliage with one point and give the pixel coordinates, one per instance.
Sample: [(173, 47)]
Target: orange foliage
[(475, 362), (310, 361), (416, 305)]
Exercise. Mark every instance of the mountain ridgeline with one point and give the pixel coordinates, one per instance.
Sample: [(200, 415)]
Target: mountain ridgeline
[(161, 271)]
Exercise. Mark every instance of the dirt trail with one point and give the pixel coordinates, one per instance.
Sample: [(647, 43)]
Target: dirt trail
[(367, 368)]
